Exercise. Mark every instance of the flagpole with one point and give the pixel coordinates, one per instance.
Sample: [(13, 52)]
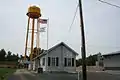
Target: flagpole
[(46, 21), (38, 41), (47, 33), (47, 43), (38, 34)]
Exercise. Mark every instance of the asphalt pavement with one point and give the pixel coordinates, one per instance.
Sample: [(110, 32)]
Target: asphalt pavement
[(102, 76), (26, 75)]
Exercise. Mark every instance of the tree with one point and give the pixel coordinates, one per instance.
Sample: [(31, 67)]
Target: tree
[(91, 60), (9, 53), (28, 58), (21, 57), (14, 57), (78, 62), (8, 58), (2, 55), (17, 55)]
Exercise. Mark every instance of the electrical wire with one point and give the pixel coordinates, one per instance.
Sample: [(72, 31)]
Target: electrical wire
[(109, 3), (73, 18), (102, 46)]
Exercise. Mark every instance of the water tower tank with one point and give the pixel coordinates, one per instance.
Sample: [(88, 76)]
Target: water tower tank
[(34, 12)]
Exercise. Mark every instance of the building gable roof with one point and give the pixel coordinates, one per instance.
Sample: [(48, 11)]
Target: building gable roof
[(63, 44), (112, 54), (60, 44)]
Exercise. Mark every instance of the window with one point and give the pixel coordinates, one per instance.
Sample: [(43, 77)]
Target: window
[(65, 61), (72, 62), (57, 61), (53, 61), (43, 63), (69, 61), (49, 61)]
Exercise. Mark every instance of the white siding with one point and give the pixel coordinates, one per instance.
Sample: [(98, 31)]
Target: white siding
[(35, 64), (41, 61), (68, 54), (56, 53), (62, 52), (112, 61)]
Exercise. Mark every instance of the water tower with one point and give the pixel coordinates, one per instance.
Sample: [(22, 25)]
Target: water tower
[(34, 13)]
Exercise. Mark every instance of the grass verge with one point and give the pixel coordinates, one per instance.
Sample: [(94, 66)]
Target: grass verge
[(5, 72)]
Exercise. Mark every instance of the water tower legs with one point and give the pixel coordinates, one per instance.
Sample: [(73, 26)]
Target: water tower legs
[(26, 43), (33, 13)]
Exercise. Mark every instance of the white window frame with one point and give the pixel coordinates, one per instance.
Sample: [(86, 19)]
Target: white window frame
[(53, 58), (43, 61), (68, 62)]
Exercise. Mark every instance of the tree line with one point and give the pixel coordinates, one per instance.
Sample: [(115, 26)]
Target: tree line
[(90, 61), (8, 56)]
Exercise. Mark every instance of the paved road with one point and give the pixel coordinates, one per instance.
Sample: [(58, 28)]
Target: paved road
[(102, 76), (25, 75)]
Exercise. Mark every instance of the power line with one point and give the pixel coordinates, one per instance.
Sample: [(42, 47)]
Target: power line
[(109, 3), (74, 17), (102, 46)]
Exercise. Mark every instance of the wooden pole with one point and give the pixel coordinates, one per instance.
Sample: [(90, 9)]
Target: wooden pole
[(84, 73)]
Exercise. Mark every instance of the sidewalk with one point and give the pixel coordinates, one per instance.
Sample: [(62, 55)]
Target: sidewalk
[(112, 72), (23, 74), (33, 71), (24, 71)]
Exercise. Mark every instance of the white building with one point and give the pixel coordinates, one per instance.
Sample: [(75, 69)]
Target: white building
[(112, 61), (59, 58)]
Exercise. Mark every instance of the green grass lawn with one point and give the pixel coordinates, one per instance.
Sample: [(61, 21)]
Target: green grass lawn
[(6, 72)]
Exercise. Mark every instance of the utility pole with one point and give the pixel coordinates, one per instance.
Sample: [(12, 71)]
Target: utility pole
[(84, 74)]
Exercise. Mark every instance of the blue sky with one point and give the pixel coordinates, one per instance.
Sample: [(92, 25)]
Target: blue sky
[(102, 24)]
